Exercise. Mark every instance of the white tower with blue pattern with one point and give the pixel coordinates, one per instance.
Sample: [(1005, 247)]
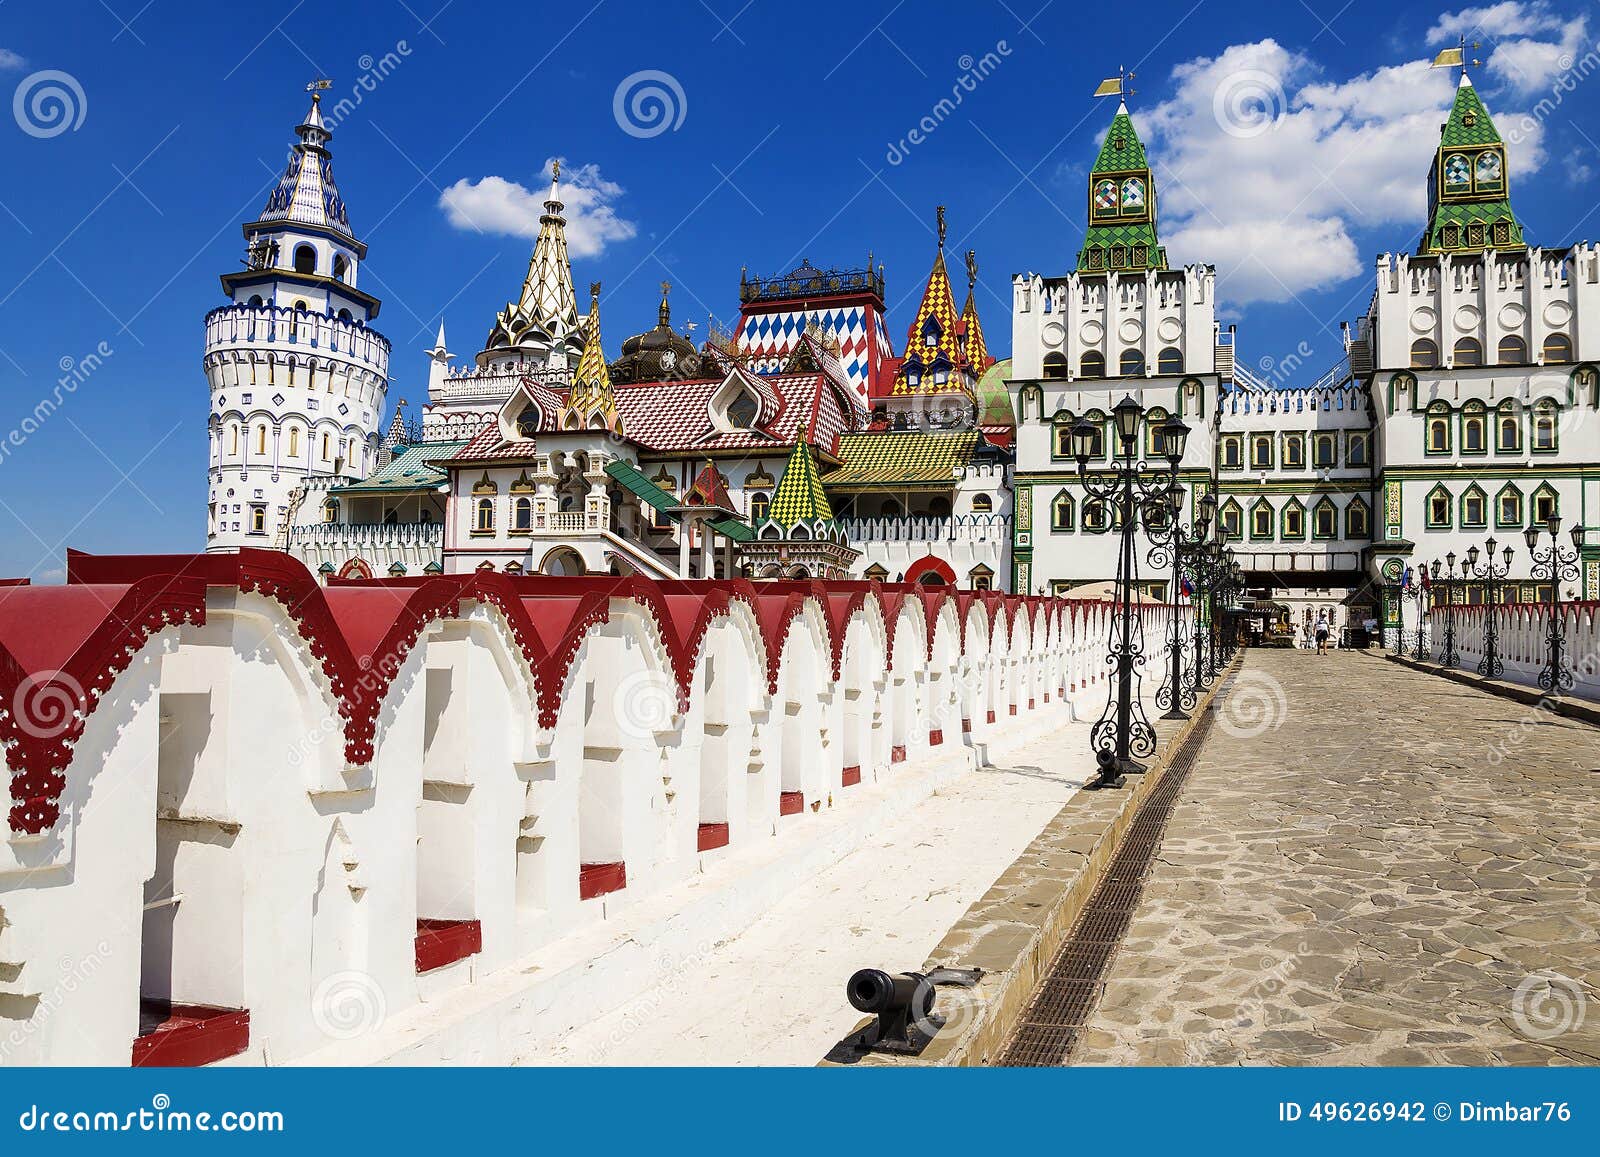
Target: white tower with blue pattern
[(297, 376)]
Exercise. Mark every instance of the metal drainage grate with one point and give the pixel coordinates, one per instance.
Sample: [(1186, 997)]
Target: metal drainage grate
[(1067, 996)]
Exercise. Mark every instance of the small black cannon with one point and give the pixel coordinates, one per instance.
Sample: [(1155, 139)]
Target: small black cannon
[(903, 1003)]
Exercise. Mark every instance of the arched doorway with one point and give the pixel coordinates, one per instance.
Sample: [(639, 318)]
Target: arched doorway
[(563, 561), (931, 572), (355, 568)]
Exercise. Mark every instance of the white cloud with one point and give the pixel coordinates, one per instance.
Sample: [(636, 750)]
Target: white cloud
[(496, 205), (1267, 169), (10, 60), (1525, 45)]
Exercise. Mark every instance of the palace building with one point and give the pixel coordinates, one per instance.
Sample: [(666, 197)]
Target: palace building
[(802, 444)]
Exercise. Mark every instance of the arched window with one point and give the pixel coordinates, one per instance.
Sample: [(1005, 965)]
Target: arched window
[(1545, 505), (1508, 507), (1131, 363), (341, 267), (1294, 451), (760, 505), (522, 513), (1424, 354), (1544, 428), (330, 510), (294, 441), (261, 439), (1097, 444), (1438, 509), (1091, 365), (1438, 431), (1170, 361), (1513, 351), (742, 412), (233, 438), (982, 504), (1232, 448), (930, 333), (1357, 519), (1294, 520), (1468, 352), (327, 447), (528, 421), (939, 507), (1061, 511), (1230, 520), (1261, 520), (1474, 508), (889, 509), (1558, 348), (305, 259), (1474, 429), (1325, 519), (485, 520), (1094, 516), (1155, 441), (1507, 429)]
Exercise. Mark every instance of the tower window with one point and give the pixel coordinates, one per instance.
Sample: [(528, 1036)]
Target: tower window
[(1513, 351), (1558, 348), (1424, 354), (341, 267), (1468, 352), (1170, 361), (305, 259), (258, 520), (1131, 363), (1091, 365), (261, 439)]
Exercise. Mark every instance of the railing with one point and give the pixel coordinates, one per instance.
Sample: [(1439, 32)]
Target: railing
[(297, 328), (1522, 641), (914, 528), (368, 534)]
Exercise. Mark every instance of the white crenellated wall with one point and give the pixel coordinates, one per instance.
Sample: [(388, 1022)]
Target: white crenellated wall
[(218, 846)]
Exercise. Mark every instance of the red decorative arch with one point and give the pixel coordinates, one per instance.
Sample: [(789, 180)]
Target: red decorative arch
[(927, 566)]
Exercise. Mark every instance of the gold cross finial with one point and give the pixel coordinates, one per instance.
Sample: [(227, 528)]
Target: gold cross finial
[(555, 169)]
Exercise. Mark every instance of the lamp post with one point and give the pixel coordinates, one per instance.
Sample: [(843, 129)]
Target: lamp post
[(1129, 485), (1420, 652), (1172, 542), (1556, 566), (1447, 656), (1491, 574)]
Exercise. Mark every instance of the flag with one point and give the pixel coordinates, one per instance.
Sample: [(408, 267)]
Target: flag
[(1187, 587), (1449, 58), (1405, 579), (1111, 87), (1426, 583)]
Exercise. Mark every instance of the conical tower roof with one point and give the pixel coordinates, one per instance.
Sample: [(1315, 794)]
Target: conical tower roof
[(547, 308), (591, 395), (799, 496), (306, 194), (1122, 205), (977, 347), (933, 350), (1469, 191)]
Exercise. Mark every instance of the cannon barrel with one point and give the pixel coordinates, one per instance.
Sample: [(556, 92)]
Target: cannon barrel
[(907, 995)]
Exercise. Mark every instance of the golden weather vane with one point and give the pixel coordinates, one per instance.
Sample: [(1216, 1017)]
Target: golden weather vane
[(1116, 85), (1457, 57), (320, 84)]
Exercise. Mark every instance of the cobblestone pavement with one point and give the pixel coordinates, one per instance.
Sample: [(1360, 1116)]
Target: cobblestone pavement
[(1368, 865)]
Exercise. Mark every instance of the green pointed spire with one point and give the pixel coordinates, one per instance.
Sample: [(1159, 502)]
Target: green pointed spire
[(799, 496), (1469, 203), (1122, 205)]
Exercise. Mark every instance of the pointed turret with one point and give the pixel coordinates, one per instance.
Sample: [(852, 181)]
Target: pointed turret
[(799, 496), (438, 362), (974, 344), (591, 403), (547, 310), (1122, 205), (306, 193), (1469, 204), (934, 362)]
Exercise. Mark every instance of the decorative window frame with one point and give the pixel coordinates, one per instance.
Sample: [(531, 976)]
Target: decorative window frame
[(1256, 507), (1063, 502), (1440, 490), (1355, 506), (1462, 519), (1287, 533), (1471, 412), (1437, 416), (1293, 437), (1235, 440), (1270, 442), (1324, 438), (1509, 490), (1231, 508), (1324, 505)]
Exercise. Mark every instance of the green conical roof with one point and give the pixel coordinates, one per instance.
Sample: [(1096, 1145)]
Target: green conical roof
[(1469, 203), (799, 496), (1121, 205)]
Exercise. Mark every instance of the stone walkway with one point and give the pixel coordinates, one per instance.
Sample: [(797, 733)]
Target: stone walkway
[(1368, 865)]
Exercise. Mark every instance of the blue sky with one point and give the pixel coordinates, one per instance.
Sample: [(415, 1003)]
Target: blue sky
[(1290, 144)]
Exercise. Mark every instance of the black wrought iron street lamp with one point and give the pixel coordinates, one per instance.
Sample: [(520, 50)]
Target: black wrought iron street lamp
[(1554, 566), (1172, 542), (1420, 590), (1491, 574), (1447, 655), (1128, 486)]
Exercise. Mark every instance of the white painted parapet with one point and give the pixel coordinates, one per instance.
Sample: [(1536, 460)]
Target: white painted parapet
[(255, 818)]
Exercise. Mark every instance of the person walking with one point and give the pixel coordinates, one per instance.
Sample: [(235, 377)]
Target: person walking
[(1322, 632)]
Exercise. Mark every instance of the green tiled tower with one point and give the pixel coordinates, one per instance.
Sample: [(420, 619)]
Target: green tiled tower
[(1122, 205), (1469, 203)]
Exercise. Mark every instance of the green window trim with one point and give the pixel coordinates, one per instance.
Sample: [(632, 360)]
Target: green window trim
[(1062, 510), (1363, 456), (1091, 508), (1543, 413), (1432, 421), (1319, 460), (1230, 519), (1464, 520), (1297, 440), (1258, 443), (1504, 420), (1356, 509), (1325, 507), (1293, 512), (1432, 506), (1237, 442), (1478, 419), (1545, 493), (1256, 510), (1514, 522)]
